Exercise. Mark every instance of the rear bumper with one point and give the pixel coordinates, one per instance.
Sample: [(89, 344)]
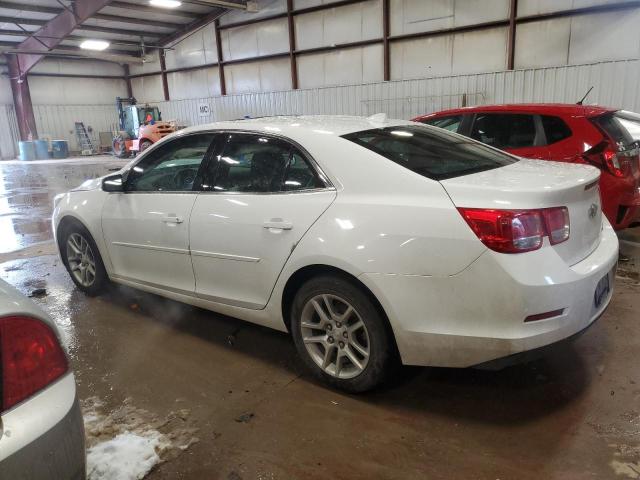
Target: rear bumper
[(57, 452), (478, 315)]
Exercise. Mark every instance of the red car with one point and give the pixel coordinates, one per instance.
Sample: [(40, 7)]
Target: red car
[(604, 137)]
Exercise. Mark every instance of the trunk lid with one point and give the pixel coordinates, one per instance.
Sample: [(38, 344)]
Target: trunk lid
[(535, 184)]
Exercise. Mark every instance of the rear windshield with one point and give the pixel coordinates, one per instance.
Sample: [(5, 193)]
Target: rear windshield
[(621, 127), (431, 152)]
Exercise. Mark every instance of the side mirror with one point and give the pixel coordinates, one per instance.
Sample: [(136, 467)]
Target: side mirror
[(113, 183)]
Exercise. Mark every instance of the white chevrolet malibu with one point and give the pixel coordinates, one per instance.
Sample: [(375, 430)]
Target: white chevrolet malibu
[(368, 240)]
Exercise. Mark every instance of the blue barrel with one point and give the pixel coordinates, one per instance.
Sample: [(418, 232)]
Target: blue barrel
[(42, 149), (60, 148), (27, 151)]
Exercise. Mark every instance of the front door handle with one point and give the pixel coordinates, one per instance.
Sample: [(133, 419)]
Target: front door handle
[(278, 224), (172, 219)]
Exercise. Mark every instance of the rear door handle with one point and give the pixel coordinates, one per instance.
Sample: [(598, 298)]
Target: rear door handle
[(172, 219), (279, 224)]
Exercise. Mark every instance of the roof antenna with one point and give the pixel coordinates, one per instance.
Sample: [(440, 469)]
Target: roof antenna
[(585, 96)]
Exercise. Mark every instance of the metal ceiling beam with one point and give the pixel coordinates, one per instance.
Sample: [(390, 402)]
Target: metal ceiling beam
[(120, 31), (223, 4), (192, 27), (147, 9), (75, 38), (30, 8), (137, 20)]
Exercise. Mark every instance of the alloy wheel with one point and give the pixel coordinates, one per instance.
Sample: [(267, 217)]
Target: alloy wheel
[(81, 259), (335, 336)]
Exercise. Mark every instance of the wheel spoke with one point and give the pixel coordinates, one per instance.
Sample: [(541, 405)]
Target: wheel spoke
[(327, 303), (338, 363), (75, 268), (347, 314), (356, 326), (321, 313), (358, 348), (92, 269), (328, 354), (313, 326), (351, 356), (316, 339)]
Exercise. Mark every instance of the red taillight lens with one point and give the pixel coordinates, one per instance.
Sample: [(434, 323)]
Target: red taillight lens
[(607, 158), (556, 221), (32, 358), (517, 231)]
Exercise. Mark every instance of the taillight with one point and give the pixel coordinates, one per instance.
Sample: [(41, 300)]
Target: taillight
[(31, 356), (605, 157), (517, 231)]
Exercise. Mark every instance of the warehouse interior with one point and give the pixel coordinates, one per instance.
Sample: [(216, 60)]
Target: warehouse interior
[(170, 390)]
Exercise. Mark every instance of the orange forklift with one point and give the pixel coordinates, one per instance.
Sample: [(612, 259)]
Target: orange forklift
[(140, 127)]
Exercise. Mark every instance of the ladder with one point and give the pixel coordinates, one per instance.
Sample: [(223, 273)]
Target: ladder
[(86, 146)]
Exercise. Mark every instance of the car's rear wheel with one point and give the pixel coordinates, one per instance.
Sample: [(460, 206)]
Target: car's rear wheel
[(340, 334), (82, 260)]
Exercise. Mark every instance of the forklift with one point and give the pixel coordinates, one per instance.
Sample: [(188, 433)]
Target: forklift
[(140, 127)]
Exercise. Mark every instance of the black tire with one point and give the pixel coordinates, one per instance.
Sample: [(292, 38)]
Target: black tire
[(381, 359), (144, 145), (119, 148), (100, 279)]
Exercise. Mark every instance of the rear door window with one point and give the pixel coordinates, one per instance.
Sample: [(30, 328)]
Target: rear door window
[(504, 131), (432, 153), (451, 123), (555, 129)]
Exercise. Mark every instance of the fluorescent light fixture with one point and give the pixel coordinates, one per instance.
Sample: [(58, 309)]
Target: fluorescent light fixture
[(165, 3), (94, 45)]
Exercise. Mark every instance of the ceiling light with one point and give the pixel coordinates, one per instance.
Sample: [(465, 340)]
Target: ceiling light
[(94, 45), (165, 3)]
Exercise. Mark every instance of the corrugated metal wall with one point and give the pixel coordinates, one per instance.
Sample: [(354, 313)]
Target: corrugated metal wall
[(8, 133), (56, 122), (615, 84)]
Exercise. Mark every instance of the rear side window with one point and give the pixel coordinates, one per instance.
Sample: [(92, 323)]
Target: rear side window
[(555, 129), (505, 130), (432, 153), (448, 123)]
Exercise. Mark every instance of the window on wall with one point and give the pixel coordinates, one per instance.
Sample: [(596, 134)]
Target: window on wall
[(505, 130), (260, 164)]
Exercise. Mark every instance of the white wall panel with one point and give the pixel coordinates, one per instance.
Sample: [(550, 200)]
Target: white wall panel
[(6, 97), (480, 51), (57, 122), (199, 83), (606, 36), (151, 65), (413, 16), (257, 39), (78, 67), (535, 7), (269, 75), (8, 133), (265, 9), (352, 23), (147, 89), (616, 84), (342, 67), (423, 57), (74, 91), (196, 49), (543, 44)]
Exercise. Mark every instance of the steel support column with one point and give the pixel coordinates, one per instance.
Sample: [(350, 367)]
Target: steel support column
[(223, 85), (385, 41), (127, 79), (163, 73), (511, 48), (292, 45), (22, 100)]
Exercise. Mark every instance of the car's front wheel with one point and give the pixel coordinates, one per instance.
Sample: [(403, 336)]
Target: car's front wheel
[(340, 334), (82, 260)]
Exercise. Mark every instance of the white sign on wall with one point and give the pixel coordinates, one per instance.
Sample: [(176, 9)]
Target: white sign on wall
[(204, 110)]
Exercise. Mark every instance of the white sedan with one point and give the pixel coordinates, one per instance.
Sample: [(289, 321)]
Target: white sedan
[(369, 240)]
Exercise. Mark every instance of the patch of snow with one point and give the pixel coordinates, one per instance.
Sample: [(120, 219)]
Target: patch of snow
[(127, 456)]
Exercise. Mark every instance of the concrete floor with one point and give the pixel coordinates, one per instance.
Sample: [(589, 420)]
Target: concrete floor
[(573, 415)]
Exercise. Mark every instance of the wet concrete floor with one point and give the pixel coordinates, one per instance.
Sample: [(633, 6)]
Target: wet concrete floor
[(574, 414)]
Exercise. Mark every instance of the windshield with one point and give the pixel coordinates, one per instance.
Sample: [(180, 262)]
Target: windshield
[(431, 152)]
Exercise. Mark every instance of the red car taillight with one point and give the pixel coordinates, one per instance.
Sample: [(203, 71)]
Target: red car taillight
[(518, 231), (31, 357), (607, 158)]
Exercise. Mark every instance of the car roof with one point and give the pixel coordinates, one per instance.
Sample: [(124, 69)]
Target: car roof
[(297, 126), (541, 108)]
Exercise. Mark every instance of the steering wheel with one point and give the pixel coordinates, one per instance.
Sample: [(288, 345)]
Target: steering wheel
[(184, 179)]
